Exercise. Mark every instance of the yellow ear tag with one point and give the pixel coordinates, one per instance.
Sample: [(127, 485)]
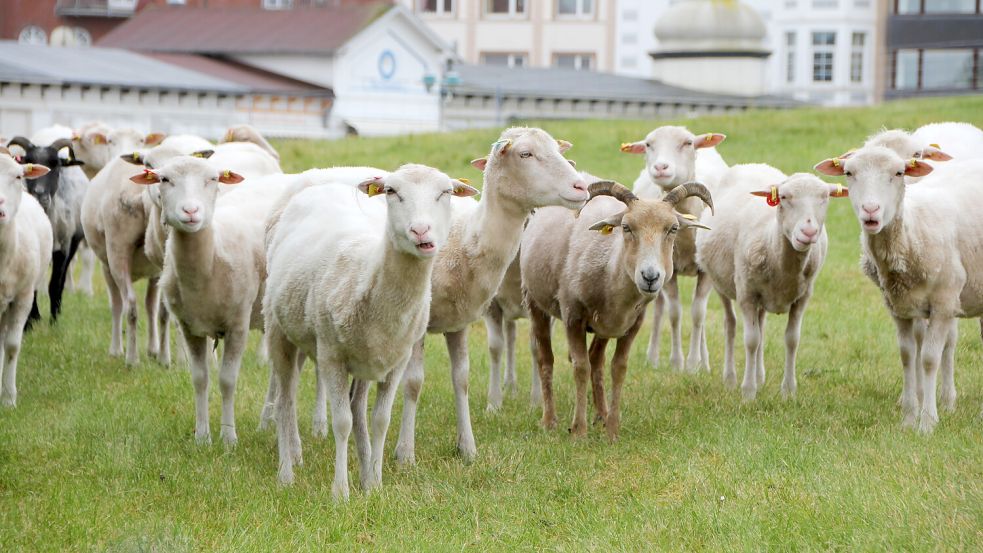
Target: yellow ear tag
[(227, 174), (936, 146), (136, 156), (913, 163), (774, 193), (836, 162), (607, 229), (28, 168), (465, 181), (688, 216), (839, 190), (374, 189), (229, 136)]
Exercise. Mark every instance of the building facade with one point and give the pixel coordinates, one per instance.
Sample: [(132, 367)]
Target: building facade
[(934, 47), (571, 34)]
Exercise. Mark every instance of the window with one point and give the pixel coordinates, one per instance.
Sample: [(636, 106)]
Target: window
[(906, 70), (857, 58), (82, 37), (823, 44), (511, 8), (32, 34), (790, 57), (504, 59), (575, 8), (824, 4), (949, 68), (177, 2), (580, 62), (629, 61), (629, 38), (629, 15), (936, 6), (278, 4), (439, 7), (908, 6)]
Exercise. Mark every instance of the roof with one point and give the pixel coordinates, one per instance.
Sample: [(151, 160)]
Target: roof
[(316, 30), (112, 67), (569, 84)]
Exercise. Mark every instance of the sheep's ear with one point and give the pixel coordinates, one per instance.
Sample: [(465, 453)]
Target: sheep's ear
[(915, 168), (373, 186), (607, 226), (136, 158), (564, 145), (203, 154), (154, 138), (463, 188), (5, 152), (97, 138), (770, 195), (69, 162), (479, 163), (709, 140), (146, 177), (847, 154), (687, 221), (502, 147), (228, 177), (933, 153), (33, 171), (572, 163), (633, 147), (832, 166), (838, 191)]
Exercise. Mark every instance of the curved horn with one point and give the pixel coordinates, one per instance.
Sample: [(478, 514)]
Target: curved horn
[(20, 141), (61, 143), (684, 191), (613, 189)]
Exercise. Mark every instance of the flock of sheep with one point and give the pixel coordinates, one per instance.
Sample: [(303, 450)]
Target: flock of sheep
[(353, 266)]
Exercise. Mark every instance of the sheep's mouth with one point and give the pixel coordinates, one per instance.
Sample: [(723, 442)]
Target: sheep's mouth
[(871, 225), (426, 247), (3, 215)]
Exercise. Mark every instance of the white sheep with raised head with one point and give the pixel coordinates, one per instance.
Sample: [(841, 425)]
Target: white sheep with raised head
[(25, 249), (764, 253), (596, 272), (674, 156), (349, 286), (924, 244)]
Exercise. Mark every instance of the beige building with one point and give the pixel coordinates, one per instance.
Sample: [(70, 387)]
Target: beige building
[(576, 34)]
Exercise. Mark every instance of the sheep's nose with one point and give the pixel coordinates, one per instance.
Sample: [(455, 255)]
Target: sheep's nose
[(190, 210), (651, 276), (871, 208), (419, 231), (2, 200), (661, 166), (810, 231), (580, 185)]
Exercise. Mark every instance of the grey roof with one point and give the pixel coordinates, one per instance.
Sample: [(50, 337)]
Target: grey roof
[(101, 66), (570, 84)]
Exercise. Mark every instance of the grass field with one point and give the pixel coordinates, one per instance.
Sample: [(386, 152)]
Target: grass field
[(98, 456)]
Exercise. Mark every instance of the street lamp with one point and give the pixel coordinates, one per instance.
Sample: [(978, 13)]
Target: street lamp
[(447, 83)]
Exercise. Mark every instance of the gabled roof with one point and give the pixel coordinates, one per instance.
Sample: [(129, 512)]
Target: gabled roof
[(318, 30)]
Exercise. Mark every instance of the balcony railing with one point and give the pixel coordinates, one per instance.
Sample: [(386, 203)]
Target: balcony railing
[(95, 8)]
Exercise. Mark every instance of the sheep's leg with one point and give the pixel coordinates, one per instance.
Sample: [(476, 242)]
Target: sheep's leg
[(283, 363), (359, 401), (730, 329), (198, 361), (936, 336), (752, 341), (164, 330), (761, 348), (12, 329), (56, 286), (116, 303), (792, 332), (119, 267), (658, 308), (535, 385), (88, 261), (675, 324), (457, 347), (151, 302), (412, 383), (496, 342), (319, 420), (907, 347), (511, 384), (577, 343), (35, 314), (948, 392), (266, 417), (543, 350), (596, 357), (336, 378), (619, 368), (920, 327), (697, 359), (235, 345), (385, 395)]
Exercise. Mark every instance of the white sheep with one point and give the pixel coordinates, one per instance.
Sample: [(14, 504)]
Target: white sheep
[(25, 249), (96, 144), (524, 171), (596, 272), (765, 254), (674, 156), (248, 133), (923, 242), (349, 286)]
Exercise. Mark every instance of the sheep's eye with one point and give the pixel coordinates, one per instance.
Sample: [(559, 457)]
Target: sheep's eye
[(916, 155), (673, 228), (626, 228), (20, 177), (688, 143), (899, 173), (390, 191), (165, 179), (783, 197), (525, 155), (848, 173)]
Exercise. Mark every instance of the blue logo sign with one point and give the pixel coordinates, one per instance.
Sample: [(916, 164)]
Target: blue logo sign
[(387, 65)]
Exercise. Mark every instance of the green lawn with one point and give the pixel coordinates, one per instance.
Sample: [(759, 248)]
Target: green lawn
[(101, 457)]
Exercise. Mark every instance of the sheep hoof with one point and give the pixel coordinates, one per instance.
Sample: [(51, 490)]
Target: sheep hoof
[(286, 476), (788, 394), (908, 421), (468, 451), (203, 438), (948, 401), (926, 423), (340, 492), (676, 363), (749, 393), (578, 430), (229, 438), (319, 428), (730, 379), (405, 455), (8, 401), (492, 407), (511, 389), (549, 423)]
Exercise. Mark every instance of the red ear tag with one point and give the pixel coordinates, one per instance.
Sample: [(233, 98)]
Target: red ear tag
[(773, 200)]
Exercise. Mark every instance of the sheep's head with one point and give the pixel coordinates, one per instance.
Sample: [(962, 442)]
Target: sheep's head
[(876, 177), (670, 153), (12, 177), (801, 202), (96, 144), (43, 188), (648, 230), (185, 189), (528, 167), (419, 206), (249, 133), (906, 145)]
